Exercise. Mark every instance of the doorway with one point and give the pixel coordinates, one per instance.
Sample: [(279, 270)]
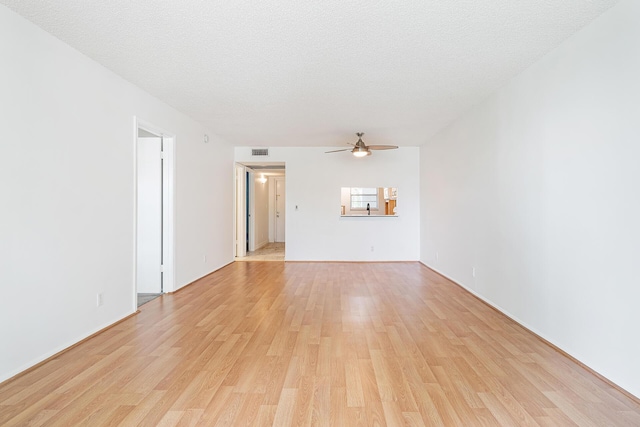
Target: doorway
[(153, 213), (255, 206)]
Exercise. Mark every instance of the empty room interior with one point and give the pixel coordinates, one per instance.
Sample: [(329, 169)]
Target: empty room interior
[(342, 213)]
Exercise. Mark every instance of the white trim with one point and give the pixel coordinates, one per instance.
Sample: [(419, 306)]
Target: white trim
[(168, 210), (239, 184), (496, 307), (272, 208), (529, 328), (283, 180), (63, 347), (252, 209)]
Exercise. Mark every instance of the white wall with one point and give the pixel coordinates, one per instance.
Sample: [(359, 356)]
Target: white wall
[(204, 204), (67, 192), (538, 189), (316, 232)]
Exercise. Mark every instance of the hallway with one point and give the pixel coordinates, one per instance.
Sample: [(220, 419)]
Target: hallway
[(269, 252)]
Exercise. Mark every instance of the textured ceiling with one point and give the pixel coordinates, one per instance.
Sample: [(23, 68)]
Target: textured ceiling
[(312, 73)]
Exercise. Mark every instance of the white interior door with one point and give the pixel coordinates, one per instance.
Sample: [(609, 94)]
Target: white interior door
[(149, 216), (280, 210)]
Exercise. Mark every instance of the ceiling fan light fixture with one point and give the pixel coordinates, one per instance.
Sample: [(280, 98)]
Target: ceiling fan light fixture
[(360, 149), (361, 153)]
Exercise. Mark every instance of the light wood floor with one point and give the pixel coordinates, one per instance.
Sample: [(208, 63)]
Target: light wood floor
[(270, 252), (333, 344)]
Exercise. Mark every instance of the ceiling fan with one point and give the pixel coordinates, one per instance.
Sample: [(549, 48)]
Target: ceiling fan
[(360, 149)]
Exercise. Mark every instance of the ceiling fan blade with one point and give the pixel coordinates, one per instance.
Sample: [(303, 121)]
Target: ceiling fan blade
[(335, 151), (382, 147)]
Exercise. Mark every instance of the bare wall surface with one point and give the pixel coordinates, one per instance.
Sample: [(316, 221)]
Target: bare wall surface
[(67, 191), (316, 232), (537, 190)]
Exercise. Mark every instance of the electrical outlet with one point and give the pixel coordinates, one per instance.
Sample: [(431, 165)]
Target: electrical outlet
[(473, 272), (372, 248), (99, 300), (437, 255), (204, 258)]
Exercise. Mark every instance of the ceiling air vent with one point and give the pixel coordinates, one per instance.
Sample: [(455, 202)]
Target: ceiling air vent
[(260, 152)]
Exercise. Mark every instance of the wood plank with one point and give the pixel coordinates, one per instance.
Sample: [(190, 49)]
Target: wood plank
[(315, 344)]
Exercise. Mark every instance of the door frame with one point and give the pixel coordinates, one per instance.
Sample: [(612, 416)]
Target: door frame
[(277, 179), (168, 205), (251, 208), (244, 210), (239, 211)]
